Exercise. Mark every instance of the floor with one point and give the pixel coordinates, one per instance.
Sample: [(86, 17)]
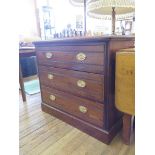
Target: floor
[(43, 134)]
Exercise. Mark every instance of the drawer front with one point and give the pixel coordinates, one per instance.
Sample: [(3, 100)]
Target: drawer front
[(83, 84), (95, 58), (77, 60), (87, 110)]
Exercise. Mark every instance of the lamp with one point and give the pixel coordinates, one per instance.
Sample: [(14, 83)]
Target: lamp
[(107, 9), (79, 3)]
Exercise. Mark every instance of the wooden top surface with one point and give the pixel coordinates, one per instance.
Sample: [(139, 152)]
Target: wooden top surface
[(22, 49), (84, 39), (27, 51)]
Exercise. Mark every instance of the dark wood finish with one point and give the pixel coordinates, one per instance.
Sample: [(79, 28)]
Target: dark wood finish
[(114, 45), (74, 48), (24, 52), (113, 20), (70, 57), (69, 103), (127, 128), (98, 72), (90, 129), (66, 80), (92, 58), (64, 56), (21, 84), (77, 67), (78, 74)]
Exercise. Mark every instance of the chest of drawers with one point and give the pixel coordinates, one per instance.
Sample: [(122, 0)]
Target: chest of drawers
[(77, 79)]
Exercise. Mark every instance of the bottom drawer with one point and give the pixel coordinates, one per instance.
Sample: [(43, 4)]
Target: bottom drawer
[(87, 110)]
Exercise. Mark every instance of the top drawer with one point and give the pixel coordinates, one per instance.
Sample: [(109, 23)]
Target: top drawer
[(78, 58)]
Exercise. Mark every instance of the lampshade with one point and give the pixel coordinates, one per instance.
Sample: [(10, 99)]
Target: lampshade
[(100, 15), (127, 16), (105, 6), (79, 3), (111, 9)]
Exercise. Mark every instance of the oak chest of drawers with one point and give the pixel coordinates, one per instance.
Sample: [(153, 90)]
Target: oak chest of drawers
[(77, 79)]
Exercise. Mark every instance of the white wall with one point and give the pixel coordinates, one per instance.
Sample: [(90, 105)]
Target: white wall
[(27, 18), (64, 13)]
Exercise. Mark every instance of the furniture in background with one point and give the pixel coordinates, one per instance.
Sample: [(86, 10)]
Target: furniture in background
[(24, 52), (78, 83), (125, 89), (48, 22), (28, 66)]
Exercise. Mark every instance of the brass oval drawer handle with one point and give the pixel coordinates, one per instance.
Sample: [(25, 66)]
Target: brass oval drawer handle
[(48, 55), (50, 76), (52, 97), (83, 109), (81, 83), (80, 56)]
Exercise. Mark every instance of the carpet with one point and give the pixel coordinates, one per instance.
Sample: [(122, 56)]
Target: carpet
[(32, 87)]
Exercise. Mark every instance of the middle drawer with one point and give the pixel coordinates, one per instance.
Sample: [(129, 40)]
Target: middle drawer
[(88, 85)]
